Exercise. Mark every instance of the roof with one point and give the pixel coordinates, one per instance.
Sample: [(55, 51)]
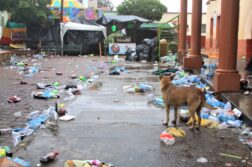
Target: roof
[(104, 20), (157, 25), (83, 27)]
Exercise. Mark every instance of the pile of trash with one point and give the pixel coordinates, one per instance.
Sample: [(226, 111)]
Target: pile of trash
[(23, 67), (147, 51), (207, 71), (141, 87), (223, 117)]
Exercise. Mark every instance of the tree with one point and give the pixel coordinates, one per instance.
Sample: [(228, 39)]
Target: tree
[(27, 11), (149, 9)]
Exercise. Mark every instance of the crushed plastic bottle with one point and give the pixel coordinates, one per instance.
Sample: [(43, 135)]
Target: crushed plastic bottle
[(49, 157), (167, 138), (234, 123), (16, 138), (33, 115)]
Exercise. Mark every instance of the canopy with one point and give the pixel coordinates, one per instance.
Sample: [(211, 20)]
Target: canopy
[(67, 4), (157, 25), (82, 27), (104, 20)]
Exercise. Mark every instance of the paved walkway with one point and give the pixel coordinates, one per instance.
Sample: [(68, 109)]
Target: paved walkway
[(117, 127)]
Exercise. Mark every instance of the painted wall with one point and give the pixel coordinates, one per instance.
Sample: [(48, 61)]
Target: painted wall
[(245, 28)]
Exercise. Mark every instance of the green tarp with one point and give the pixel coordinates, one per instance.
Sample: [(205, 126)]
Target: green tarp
[(157, 25)]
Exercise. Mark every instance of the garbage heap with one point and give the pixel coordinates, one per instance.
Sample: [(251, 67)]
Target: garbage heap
[(147, 51)]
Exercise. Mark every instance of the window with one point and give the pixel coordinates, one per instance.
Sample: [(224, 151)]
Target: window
[(203, 28)]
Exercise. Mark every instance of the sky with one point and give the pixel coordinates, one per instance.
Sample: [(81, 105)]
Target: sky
[(172, 5)]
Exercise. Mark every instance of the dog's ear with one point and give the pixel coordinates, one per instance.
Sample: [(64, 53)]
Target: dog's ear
[(172, 76)]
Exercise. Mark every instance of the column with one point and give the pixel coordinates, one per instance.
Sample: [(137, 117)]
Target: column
[(182, 30), (194, 60), (227, 78)]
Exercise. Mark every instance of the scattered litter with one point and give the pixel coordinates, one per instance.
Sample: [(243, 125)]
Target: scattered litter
[(18, 114), (87, 163), (228, 164), (117, 71), (46, 94), (176, 132), (6, 162), (2, 153), (205, 123), (14, 99), (202, 160), (22, 162), (23, 82), (72, 86), (49, 158), (42, 85), (141, 87), (67, 118), (231, 156), (59, 73), (167, 138), (73, 77), (223, 125)]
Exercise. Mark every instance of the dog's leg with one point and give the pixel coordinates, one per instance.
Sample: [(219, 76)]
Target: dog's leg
[(175, 115), (167, 109), (199, 116), (193, 119)]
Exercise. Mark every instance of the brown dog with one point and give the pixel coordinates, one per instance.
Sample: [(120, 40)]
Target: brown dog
[(178, 96)]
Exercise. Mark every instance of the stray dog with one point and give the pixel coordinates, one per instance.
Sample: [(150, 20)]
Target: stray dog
[(178, 96)]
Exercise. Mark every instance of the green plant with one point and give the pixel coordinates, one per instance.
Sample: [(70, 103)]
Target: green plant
[(149, 9)]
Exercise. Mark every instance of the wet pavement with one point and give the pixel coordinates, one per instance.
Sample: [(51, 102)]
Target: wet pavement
[(121, 128)]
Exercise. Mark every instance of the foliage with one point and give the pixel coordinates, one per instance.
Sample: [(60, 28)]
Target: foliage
[(104, 3), (149, 9), (27, 11)]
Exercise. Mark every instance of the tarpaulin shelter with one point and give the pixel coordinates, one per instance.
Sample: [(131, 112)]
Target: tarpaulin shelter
[(121, 22), (79, 36)]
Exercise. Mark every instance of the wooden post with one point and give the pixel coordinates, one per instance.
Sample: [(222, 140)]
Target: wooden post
[(100, 49)]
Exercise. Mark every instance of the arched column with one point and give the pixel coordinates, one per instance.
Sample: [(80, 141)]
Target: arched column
[(194, 60), (226, 77), (182, 30)]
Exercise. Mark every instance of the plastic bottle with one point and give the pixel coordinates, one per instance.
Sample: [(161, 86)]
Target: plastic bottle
[(235, 123), (49, 157), (202, 71)]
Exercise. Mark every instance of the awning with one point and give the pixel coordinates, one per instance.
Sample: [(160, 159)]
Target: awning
[(157, 25), (106, 19), (82, 27)]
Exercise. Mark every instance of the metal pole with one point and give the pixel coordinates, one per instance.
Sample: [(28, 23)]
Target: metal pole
[(61, 26), (61, 11)]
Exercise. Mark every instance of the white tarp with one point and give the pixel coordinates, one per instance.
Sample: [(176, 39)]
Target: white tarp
[(83, 27), (64, 27), (3, 21)]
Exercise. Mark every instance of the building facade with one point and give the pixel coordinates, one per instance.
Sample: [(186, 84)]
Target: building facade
[(170, 15), (244, 33)]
